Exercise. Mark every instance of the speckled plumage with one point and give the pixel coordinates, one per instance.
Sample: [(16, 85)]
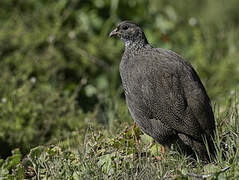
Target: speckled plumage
[(164, 94)]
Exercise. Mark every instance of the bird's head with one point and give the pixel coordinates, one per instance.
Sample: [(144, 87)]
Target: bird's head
[(129, 32)]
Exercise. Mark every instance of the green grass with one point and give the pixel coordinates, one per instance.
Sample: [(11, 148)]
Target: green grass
[(127, 155)]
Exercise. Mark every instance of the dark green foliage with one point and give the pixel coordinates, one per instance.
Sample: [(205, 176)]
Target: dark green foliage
[(125, 156), (59, 75)]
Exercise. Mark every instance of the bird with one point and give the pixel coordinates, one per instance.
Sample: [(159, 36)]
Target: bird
[(164, 94)]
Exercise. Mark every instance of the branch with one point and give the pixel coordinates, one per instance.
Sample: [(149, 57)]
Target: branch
[(207, 175)]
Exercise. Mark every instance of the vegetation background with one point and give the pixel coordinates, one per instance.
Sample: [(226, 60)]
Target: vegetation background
[(60, 85)]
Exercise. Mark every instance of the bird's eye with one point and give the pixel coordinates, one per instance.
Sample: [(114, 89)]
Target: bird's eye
[(125, 27)]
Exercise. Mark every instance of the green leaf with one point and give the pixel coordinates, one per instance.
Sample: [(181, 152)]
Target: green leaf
[(35, 153), (105, 162), (13, 160)]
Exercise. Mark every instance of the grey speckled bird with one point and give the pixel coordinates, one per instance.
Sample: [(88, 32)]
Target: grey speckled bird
[(164, 94)]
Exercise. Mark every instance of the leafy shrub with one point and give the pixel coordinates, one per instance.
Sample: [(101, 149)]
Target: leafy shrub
[(59, 70), (128, 155)]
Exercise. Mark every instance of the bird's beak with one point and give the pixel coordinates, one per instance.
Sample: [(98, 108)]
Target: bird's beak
[(114, 33)]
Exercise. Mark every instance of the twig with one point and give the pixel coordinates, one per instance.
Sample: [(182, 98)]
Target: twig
[(110, 152), (223, 121), (199, 176), (207, 175)]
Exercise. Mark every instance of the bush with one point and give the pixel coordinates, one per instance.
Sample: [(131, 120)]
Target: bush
[(60, 70)]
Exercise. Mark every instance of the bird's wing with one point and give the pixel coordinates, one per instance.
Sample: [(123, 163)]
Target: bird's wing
[(175, 95), (198, 100)]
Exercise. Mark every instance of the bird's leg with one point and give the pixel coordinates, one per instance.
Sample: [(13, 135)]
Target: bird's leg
[(163, 151), (135, 137)]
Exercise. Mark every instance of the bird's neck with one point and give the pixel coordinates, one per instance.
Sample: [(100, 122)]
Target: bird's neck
[(132, 48)]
